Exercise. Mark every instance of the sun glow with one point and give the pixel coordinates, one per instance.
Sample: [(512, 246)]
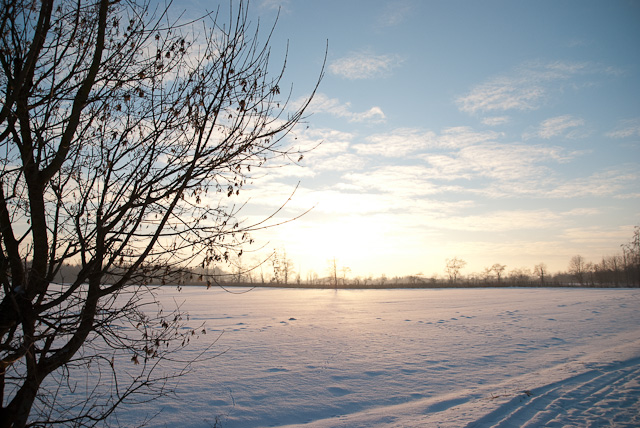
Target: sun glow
[(354, 241)]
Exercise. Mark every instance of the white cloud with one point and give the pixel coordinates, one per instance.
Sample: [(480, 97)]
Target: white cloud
[(449, 167), (604, 183), (504, 162), (342, 162), (340, 202), (275, 4), (267, 175), (464, 136), (401, 181), (544, 182), (626, 128), (517, 219), (597, 234), (321, 141), (556, 126), (373, 114), (364, 65), (495, 120), (327, 150), (524, 89), (577, 42), (502, 94), (398, 143), (502, 221), (404, 141), (628, 196), (394, 13), (323, 104)]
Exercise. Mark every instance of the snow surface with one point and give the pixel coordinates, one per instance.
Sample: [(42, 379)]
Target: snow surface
[(408, 358)]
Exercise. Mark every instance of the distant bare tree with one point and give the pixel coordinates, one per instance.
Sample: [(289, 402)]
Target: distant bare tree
[(125, 138), (487, 274), (288, 269), (383, 279), (368, 279), (591, 271), (453, 267), (613, 264), (520, 276), (631, 257), (240, 271), (344, 271), (498, 269), (333, 272), (312, 277), (577, 268), (283, 268), (540, 270)]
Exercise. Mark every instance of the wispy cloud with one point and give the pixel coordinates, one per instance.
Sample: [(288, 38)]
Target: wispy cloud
[(556, 126), (398, 143), (502, 221), (577, 42), (626, 128), (524, 89), (503, 162), (548, 183), (502, 94), (320, 142), (495, 120), (364, 65), (597, 234), (327, 150), (464, 136), (395, 13), (323, 104), (404, 141), (515, 219), (342, 162), (612, 182), (403, 181), (341, 202), (275, 4)]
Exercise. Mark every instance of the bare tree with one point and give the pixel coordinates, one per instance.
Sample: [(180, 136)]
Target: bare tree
[(345, 271), (282, 267), (631, 258), (312, 277), (487, 274), (126, 139), (240, 271), (498, 269), (382, 280), (333, 272), (288, 269), (577, 268), (453, 267), (614, 265), (520, 276), (540, 270), (276, 263), (591, 273)]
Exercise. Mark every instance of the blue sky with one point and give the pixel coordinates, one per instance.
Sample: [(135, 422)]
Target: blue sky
[(495, 131)]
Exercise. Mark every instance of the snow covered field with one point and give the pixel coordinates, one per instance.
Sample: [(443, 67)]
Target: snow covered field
[(409, 358)]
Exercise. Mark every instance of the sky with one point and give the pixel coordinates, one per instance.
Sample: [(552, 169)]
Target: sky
[(495, 131)]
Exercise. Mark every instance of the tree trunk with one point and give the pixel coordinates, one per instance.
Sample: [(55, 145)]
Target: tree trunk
[(16, 414)]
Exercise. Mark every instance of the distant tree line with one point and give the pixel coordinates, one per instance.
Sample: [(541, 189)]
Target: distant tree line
[(620, 270)]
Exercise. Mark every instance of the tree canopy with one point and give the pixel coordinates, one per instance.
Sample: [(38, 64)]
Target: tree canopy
[(126, 136)]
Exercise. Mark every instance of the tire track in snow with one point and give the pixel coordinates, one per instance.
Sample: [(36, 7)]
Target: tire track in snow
[(606, 396)]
